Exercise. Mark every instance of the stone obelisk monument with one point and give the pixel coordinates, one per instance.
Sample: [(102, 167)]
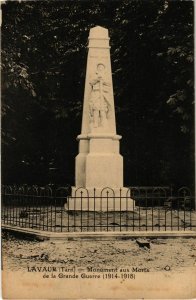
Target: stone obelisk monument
[(98, 164)]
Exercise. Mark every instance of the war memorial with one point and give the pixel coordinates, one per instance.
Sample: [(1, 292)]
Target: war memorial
[(99, 164)]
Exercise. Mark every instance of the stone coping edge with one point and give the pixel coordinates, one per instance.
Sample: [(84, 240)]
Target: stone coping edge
[(98, 136), (46, 235)]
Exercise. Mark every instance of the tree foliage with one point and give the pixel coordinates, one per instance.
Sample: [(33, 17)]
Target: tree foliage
[(43, 71)]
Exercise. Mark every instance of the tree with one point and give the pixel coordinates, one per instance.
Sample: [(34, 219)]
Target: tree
[(43, 62)]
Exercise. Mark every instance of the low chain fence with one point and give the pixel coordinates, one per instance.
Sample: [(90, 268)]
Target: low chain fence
[(48, 209)]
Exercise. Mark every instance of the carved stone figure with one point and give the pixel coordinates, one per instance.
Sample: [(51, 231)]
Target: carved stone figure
[(99, 104)]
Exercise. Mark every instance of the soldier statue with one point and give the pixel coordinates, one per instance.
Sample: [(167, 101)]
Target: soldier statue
[(99, 103)]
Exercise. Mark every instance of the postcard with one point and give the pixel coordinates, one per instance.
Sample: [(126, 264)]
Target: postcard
[(98, 150)]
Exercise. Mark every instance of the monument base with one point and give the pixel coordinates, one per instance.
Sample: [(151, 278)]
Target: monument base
[(107, 199)]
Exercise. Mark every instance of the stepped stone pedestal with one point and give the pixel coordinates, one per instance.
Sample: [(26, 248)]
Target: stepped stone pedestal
[(99, 164)]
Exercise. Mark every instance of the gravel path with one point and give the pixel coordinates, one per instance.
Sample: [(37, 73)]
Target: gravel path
[(177, 253)]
